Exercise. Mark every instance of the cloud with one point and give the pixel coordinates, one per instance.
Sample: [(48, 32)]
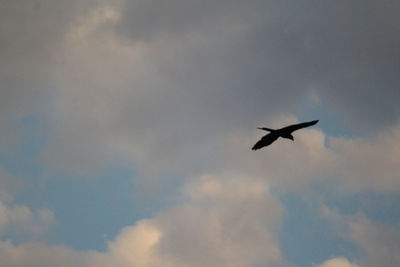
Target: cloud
[(337, 262), (231, 218), (378, 242), (37, 254), (345, 164), (7, 186), (226, 221), (174, 93), (371, 161), (32, 30), (140, 80), (138, 91), (21, 221), (278, 51)]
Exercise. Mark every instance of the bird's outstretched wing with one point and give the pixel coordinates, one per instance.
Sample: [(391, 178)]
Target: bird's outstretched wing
[(265, 141), (294, 127)]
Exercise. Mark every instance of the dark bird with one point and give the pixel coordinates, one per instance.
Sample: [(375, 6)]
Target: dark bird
[(285, 132)]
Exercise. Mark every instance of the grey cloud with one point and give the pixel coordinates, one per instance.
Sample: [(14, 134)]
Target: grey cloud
[(20, 222), (177, 78), (349, 51), (31, 33), (379, 243)]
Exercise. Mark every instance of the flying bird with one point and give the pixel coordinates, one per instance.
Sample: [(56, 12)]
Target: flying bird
[(285, 132)]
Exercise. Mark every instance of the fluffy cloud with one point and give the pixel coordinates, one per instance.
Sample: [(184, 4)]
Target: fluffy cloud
[(348, 165), (226, 221), (370, 162), (337, 262), (232, 220)]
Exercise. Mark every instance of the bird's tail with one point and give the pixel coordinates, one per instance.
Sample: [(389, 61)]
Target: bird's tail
[(266, 129)]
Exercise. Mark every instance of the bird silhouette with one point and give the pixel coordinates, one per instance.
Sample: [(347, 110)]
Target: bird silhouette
[(285, 132)]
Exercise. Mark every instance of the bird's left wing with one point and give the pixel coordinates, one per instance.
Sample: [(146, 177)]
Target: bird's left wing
[(265, 141)]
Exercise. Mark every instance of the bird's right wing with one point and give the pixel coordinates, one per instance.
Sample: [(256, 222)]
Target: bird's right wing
[(295, 127), (265, 141)]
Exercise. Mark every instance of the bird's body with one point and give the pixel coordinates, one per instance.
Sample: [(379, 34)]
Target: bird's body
[(285, 132)]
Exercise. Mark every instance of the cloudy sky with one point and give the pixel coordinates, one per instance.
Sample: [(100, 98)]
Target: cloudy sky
[(126, 128)]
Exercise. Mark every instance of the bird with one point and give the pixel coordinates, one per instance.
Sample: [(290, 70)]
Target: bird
[(285, 132)]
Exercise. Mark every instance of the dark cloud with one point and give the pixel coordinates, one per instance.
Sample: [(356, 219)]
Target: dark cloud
[(347, 51), (31, 33), (177, 77), (147, 20)]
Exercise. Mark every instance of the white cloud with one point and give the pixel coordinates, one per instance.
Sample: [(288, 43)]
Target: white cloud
[(337, 262), (226, 221), (233, 220), (371, 162), (348, 165)]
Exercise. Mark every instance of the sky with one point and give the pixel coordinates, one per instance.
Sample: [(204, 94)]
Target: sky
[(126, 130)]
